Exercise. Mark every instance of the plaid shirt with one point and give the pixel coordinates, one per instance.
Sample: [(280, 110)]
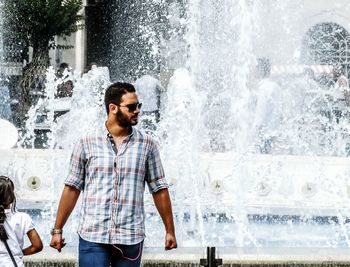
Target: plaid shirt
[(112, 209)]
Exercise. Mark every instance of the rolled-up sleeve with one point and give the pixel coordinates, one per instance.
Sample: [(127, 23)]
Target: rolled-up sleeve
[(155, 176), (76, 174)]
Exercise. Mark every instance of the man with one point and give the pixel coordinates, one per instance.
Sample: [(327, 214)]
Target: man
[(268, 111), (341, 86), (149, 91), (65, 89), (112, 169)]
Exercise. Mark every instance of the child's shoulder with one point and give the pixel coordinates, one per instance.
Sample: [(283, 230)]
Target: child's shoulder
[(20, 215), (20, 220)]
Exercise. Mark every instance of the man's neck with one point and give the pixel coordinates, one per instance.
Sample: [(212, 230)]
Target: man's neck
[(116, 130)]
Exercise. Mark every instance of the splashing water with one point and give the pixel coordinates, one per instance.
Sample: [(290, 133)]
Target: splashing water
[(4, 92), (226, 190)]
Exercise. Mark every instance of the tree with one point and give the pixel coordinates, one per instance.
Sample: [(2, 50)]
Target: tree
[(35, 23)]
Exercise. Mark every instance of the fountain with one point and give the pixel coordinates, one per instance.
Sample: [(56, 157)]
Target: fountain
[(286, 203)]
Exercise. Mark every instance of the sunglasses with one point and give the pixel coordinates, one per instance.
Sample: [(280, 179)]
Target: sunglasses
[(132, 107)]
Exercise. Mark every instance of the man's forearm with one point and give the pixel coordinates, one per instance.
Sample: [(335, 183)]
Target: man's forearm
[(67, 203), (163, 204)]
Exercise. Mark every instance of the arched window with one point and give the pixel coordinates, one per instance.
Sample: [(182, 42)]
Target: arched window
[(327, 43)]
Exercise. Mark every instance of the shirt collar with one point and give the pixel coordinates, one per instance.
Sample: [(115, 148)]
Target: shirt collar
[(108, 134)]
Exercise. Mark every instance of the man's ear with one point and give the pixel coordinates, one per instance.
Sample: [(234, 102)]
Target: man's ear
[(113, 108)]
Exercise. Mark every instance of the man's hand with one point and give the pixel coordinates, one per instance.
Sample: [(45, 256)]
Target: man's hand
[(170, 241), (68, 200), (57, 242)]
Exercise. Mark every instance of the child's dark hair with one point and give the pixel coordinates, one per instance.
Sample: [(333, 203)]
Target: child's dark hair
[(7, 197)]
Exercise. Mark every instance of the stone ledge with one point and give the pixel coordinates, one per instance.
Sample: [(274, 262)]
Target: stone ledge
[(163, 263), (232, 257)]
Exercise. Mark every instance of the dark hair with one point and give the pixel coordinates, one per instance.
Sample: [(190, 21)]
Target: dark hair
[(115, 92), (7, 197), (89, 67), (61, 69), (63, 66)]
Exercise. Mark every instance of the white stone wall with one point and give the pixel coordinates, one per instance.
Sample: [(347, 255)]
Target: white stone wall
[(75, 57), (38, 179)]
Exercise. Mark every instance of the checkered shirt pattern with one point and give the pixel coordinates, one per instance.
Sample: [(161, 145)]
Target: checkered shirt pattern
[(112, 207)]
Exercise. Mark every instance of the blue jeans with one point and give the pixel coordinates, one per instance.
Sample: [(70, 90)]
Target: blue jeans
[(105, 255)]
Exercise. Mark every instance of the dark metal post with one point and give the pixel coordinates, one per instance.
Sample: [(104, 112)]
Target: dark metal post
[(210, 261)]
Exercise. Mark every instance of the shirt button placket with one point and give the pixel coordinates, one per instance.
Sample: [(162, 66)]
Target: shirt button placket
[(115, 194)]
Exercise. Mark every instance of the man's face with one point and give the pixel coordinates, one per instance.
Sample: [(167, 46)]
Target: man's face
[(128, 110)]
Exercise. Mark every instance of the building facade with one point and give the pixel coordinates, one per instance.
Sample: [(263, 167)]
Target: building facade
[(297, 32)]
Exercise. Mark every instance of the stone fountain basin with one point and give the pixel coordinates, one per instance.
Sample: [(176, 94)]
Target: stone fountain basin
[(265, 186), (273, 183)]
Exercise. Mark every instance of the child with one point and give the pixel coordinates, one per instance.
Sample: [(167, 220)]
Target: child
[(13, 226)]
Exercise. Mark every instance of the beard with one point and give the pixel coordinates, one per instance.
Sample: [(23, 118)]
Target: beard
[(123, 120)]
